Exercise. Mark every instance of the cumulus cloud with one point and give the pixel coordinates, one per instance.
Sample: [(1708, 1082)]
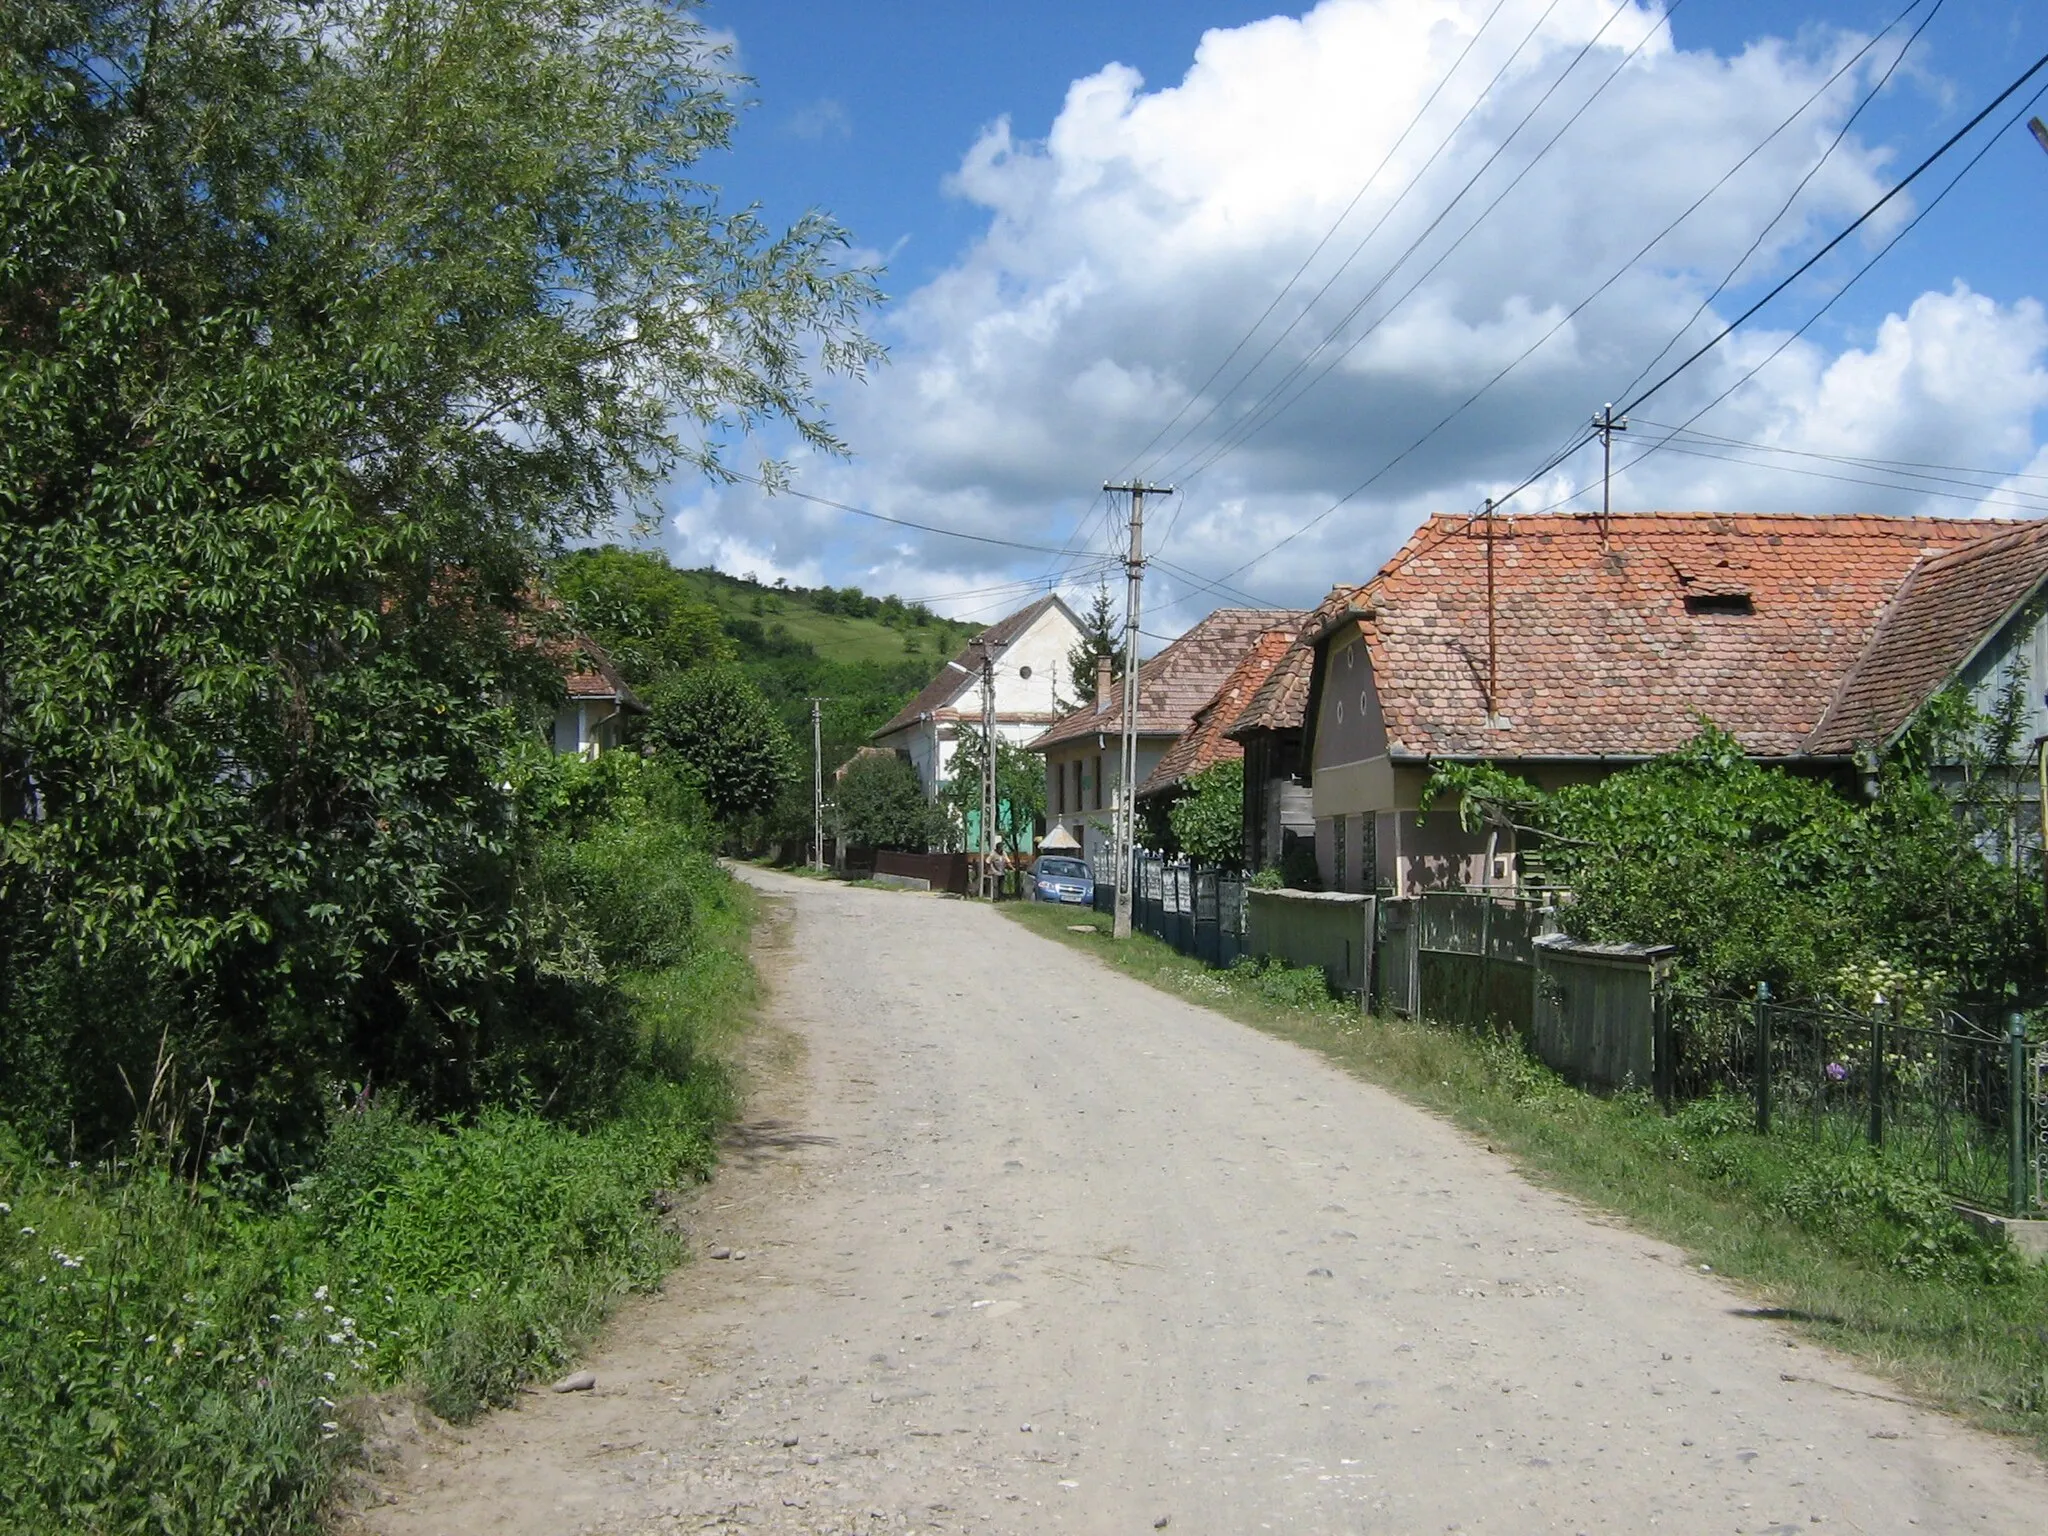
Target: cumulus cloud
[(1129, 251)]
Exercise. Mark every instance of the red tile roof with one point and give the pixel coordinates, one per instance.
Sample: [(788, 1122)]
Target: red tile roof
[(1947, 608), (1605, 647), (1179, 680), (1282, 699), (1208, 741), (964, 671), (594, 676)]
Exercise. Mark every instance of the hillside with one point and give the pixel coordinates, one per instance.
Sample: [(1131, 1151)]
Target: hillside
[(840, 624), (863, 655)]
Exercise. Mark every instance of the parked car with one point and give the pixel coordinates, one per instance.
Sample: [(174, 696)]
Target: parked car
[(1062, 879)]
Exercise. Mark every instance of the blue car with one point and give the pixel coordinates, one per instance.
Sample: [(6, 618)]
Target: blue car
[(1060, 879)]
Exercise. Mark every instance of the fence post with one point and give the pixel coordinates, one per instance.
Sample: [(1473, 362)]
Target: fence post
[(1763, 1058), (2016, 1194), (1662, 1066), (1873, 1079)]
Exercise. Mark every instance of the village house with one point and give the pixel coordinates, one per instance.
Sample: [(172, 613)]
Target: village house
[(1279, 814), (591, 718), (1082, 750), (1030, 650), (1208, 740), (1563, 647)]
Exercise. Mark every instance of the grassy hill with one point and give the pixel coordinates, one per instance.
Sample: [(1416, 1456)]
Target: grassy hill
[(842, 625)]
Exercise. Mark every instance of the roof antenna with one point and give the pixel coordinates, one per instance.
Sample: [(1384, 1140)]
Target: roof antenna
[(1492, 638)]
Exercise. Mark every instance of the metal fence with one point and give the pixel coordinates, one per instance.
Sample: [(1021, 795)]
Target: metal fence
[(1961, 1102), (1460, 957), (1199, 909)]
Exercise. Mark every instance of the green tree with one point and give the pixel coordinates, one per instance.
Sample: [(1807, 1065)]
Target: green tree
[(325, 324), (1208, 820), (642, 611), (1020, 784), (733, 748), (879, 803), (1098, 639)]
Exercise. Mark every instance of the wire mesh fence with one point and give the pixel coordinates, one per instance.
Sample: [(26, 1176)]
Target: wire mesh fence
[(1961, 1102)]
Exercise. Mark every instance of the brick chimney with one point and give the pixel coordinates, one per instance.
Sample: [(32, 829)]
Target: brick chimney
[(1103, 683)]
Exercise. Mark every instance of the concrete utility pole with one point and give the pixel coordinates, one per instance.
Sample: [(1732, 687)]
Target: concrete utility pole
[(1124, 839), (988, 774), (1606, 423), (817, 790)]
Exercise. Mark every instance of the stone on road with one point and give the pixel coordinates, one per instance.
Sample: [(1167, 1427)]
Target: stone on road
[(1038, 1248)]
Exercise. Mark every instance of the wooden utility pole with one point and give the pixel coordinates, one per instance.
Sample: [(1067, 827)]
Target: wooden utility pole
[(1123, 840)]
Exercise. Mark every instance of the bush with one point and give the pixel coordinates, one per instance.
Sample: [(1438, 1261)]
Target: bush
[(1282, 984)]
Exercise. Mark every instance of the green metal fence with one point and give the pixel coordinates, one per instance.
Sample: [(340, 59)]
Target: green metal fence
[(1961, 1101)]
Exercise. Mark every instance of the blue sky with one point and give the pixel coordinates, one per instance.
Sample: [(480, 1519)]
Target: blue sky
[(1052, 304)]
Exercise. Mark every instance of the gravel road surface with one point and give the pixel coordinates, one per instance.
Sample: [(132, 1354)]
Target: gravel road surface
[(1019, 1245)]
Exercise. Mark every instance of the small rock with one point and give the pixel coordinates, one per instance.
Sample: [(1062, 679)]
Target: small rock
[(1320, 1274), (1161, 1523), (788, 1442), (719, 1253), (739, 1253), (579, 1381)]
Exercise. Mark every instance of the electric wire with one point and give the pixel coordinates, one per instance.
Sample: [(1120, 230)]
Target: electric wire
[(1855, 278), (1271, 404), (1331, 233), (1861, 219)]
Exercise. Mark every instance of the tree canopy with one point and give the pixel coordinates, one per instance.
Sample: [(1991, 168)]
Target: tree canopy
[(878, 802), (325, 324)]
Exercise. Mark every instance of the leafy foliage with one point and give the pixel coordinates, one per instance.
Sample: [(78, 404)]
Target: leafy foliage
[(1098, 639), (179, 1345), (1759, 875), (734, 750), (1208, 819), (630, 602), (1020, 784), (326, 322), (879, 803)]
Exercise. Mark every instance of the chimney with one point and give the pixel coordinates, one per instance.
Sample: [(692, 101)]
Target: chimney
[(1103, 683)]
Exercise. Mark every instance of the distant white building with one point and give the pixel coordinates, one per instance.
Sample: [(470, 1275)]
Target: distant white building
[(591, 718), (1030, 649)]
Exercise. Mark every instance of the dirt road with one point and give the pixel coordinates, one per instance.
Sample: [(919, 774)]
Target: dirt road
[(1030, 1247)]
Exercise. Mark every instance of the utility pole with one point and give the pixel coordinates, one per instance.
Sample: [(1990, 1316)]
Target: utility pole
[(988, 773), (817, 790), (1606, 423), (1123, 841), (1492, 631)]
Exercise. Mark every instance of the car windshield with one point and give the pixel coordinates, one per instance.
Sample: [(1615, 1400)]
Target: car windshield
[(1063, 869)]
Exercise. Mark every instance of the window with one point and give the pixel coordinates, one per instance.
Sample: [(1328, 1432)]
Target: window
[(1735, 604)]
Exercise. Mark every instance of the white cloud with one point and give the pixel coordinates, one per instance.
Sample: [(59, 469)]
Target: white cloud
[(824, 118), (1128, 251)]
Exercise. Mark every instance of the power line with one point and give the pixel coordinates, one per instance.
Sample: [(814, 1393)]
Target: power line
[(1270, 403), (1860, 460), (1834, 298), (882, 517), (1330, 233), (1861, 219), (1786, 206)]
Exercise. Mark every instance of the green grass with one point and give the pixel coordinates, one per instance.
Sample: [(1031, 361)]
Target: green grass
[(180, 1356), (1850, 1251), (837, 636)]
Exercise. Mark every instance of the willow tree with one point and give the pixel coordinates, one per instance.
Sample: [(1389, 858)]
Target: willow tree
[(324, 324)]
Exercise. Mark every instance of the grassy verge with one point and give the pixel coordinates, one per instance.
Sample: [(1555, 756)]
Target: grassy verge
[(176, 1352), (1843, 1248)]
